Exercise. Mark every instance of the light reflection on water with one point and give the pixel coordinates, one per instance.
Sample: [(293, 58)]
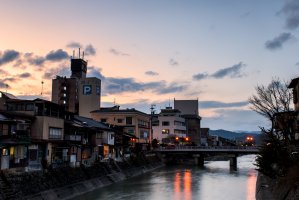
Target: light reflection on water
[(215, 181)]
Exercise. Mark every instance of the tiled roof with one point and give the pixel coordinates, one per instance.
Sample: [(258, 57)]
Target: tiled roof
[(88, 122)]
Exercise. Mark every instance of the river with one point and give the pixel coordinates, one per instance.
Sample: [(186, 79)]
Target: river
[(213, 182)]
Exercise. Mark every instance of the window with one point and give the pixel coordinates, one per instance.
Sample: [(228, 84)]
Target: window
[(98, 90), (165, 123), (99, 135), (3, 129), (165, 131), (178, 123), (55, 133), (128, 120), (29, 107), (103, 120), (120, 120)]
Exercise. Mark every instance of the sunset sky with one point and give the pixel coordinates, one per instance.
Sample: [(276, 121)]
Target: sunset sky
[(152, 51)]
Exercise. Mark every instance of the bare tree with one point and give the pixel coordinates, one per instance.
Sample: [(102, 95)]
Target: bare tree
[(271, 100)]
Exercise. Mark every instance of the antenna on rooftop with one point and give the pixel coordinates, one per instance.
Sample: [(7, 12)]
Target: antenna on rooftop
[(83, 55), (73, 53), (79, 52), (6, 86), (114, 103), (42, 88), (152, 109)]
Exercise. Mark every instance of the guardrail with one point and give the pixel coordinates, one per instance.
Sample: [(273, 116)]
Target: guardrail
[(210, 148)]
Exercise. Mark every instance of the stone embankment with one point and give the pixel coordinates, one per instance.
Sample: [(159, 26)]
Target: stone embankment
[(67, 182), (283, 188)]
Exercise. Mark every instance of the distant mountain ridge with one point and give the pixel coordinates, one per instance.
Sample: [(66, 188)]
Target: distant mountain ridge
[(240, 135)]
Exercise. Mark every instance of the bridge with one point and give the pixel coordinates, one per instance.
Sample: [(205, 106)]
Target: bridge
[(200, 152)]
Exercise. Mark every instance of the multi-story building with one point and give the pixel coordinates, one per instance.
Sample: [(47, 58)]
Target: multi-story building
[(37, 131), (169, 125), (78, 94), (189, 110), (133, 121), (4, 96)]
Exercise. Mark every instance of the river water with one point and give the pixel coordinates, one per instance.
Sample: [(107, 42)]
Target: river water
[(213, 182)]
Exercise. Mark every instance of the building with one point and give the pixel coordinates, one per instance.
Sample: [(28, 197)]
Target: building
[(78, 94), (187, 107), (169, 125), (4, 96), (132, 121), (189, 110), (43, 122)]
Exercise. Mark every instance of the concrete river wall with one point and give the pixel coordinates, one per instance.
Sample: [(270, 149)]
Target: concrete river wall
[(67, 182)]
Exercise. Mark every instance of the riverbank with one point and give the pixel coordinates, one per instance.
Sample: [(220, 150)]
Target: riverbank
[(281, 188), (67, 182)]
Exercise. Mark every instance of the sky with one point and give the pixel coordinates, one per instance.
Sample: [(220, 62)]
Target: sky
[(150, 52)]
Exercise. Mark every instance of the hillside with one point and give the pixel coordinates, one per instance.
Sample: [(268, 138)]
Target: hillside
[(236, 135)]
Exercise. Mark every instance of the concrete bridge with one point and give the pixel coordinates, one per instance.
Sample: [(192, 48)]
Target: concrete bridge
[(199, 153)]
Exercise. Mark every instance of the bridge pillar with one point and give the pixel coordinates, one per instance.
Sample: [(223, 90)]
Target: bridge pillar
[(199, 159), (233, 162)]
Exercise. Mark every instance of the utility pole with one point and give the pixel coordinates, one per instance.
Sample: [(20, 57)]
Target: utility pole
[(152, 108)]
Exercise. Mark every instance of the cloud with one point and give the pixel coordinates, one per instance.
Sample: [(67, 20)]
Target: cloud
[(24, 75), (3, 84), (95, 72), (61, 70), (218, 104), (173, 62), (111, 85), (118, 53), (8, 56), (291, 11), (90, 50), (278, 41), (11, 79), (151, 73), (34, 60), (3, 73), (172, 88), (57, 55), (233, 71), (74, 45), (200, 76)]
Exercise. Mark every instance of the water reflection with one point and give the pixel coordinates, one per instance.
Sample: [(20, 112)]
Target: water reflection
[(187, 184), (251, 185), (214, 182), (182, 185)]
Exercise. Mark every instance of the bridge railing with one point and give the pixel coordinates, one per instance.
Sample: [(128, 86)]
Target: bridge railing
[(208, 147)]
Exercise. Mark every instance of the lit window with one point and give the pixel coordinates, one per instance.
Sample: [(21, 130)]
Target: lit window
[(55, 133), (165, 131), (64, 102), (64, 94), (64, 88), (0, 94)]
